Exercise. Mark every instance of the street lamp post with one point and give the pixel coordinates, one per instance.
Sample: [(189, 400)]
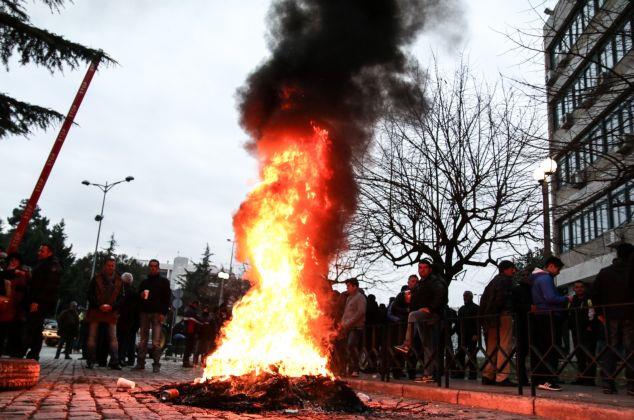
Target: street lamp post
[(104, 188), (542, 175), (223, 278)]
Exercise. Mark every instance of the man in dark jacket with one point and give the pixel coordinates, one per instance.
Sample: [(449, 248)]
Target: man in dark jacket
[(522, 304), (496, 310), (104, 297), (206, 334), (582, 320), (41, 298), (372, 315), (67, 329), (546, 329), (468, 334), (611, 288), (128, 322), (155, 301), (427, 305)]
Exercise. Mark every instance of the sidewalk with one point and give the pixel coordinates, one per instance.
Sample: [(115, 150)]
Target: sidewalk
[(574, 402), (66, 390)]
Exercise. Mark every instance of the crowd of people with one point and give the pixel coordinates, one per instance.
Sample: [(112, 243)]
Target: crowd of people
[(115, 313), (522, 318)]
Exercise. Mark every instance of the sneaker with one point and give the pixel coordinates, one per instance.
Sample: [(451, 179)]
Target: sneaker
[(139, 367), (548, 386), (425, 379), (403, 348), (156, 368), (506, 382), (487, 381)]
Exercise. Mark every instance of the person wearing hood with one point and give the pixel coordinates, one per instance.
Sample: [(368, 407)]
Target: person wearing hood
[(611, 288), (548, 304)]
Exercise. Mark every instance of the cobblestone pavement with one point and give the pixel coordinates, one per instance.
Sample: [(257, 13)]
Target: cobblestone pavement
[(68, 390)]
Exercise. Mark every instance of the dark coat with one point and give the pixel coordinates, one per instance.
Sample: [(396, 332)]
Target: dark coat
[(129, 308), (399, 307), (611, 287), (467, 320), (372, 313), (430, 293), (496, 299), (43, 287), (68, 323), (579, 314), (103, 292), (160, 297)]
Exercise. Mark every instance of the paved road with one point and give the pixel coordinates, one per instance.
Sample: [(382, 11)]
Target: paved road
[(69, 391)]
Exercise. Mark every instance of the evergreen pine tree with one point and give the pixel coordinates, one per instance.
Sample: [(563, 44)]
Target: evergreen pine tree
[(40, 47), (196, 283), (38, 231)]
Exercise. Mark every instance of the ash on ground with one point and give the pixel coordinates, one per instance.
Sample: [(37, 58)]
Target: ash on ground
[(268, 392)]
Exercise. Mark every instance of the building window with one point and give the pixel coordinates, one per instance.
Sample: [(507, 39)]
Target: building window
[(610, 53), (596, 218), (564, 234), (577, 230), (619, 206), (571, 33), (603, 217), (588, 225)]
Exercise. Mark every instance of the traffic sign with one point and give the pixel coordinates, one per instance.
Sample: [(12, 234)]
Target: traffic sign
[(177, 303)]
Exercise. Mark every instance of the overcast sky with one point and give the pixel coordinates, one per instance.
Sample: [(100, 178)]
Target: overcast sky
[(167, 116)]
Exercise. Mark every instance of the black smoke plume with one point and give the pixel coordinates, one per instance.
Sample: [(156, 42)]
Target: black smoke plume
[(336, 63)]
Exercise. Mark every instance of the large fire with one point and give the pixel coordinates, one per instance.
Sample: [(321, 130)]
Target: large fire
[(274, 327)]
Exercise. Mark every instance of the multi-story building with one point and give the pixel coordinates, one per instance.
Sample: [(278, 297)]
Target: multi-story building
[(590, 91)]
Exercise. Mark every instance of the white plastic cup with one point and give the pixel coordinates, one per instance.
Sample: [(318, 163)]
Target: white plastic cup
[(123, 383), (146, 294)]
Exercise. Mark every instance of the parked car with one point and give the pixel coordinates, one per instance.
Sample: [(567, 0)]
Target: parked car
[(51, 338)]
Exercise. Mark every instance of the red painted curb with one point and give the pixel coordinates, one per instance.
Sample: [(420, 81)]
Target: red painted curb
[(431, 393), (570, 410), (543, 407), (501, 402)]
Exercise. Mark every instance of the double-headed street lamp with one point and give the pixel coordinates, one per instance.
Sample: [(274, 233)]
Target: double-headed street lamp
[(543, 175), (104, 188)]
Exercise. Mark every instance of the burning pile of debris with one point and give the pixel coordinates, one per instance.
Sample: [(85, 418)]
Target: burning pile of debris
[(265, 392)]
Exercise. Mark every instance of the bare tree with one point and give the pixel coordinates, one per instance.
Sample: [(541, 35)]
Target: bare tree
[(450, 177)]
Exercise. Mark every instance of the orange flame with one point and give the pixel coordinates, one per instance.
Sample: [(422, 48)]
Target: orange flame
[(274, 327)]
